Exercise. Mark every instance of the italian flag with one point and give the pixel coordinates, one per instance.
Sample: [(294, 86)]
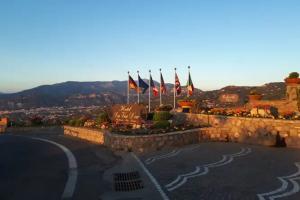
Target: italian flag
[(190, 86)]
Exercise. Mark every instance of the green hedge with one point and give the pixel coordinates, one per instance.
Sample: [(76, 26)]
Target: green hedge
[(162, 124), (294, 75), (161, 116), (165, 107), (102, 117)]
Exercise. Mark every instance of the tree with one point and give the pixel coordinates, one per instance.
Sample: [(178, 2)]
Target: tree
[(102, 118)]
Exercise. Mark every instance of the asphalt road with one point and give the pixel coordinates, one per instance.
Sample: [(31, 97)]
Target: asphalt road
[(226, 171), (34, 169)]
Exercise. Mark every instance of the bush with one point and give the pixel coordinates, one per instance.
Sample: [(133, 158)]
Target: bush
[(254, 92), (150, 116), (161, 116), (102, 118), (36, 121), (294, 75), (72, 122), (162, 124), (79, 122), (165, 108)]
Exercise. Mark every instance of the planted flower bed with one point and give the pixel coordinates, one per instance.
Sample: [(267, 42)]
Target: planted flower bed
[(151, 131)]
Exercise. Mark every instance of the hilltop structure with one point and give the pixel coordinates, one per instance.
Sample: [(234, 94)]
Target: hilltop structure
[(289, 105)]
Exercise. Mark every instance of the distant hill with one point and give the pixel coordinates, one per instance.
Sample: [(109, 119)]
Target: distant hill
[(270, 91), (73, 93)]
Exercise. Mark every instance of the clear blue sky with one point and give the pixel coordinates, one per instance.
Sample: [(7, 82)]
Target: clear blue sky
[(227, 42)]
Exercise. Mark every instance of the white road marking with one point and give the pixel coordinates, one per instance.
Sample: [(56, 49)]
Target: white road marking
[(226, 159), (73, 173), (285, 180), (169, 155), (154, 181)]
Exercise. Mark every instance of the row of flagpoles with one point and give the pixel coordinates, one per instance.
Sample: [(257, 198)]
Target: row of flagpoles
[(142, 85)]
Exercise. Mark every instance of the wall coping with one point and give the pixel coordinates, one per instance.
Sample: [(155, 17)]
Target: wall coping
[(248, 118), (155, 135), (138, 136), (84, 128)]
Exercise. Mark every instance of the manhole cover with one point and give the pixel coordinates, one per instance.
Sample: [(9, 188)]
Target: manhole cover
[(125, 182)]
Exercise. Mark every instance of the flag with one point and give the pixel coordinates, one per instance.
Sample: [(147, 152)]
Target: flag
[(154, 88), (190, 85), (132, 83), (177, 85), (163, 88), (142, 84)]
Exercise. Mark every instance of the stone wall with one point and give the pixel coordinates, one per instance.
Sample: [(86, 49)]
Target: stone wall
[(249, 130), (91, 135), (236, 129), (143, 143), (283, 106), (2, 129), (146, 143)]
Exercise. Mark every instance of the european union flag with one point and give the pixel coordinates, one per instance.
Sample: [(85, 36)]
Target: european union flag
[(143, 85)]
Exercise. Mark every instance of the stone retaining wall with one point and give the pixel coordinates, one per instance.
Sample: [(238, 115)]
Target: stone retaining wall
[(2, 129), (143, 143), (146, 143), (249, 130), (91, 135), (236, 129)]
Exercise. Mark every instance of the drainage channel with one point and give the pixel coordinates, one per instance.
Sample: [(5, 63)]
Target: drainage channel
[(126, 182)]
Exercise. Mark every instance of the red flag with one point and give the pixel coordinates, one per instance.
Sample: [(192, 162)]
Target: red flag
[(163, 88), (190, 85), (154, 88), (132, 83), (177, 85)]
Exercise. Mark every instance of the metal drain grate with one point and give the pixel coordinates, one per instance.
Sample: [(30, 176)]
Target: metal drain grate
[(126, 176), (125, 182)]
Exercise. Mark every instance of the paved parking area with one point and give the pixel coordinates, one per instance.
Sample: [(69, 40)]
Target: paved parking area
[(226, 171)]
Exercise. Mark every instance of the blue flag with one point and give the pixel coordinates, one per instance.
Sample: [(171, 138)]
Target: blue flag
[(143, 85)]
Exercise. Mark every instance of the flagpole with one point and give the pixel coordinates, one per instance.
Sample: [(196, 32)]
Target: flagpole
[(188, 94), (149, 91), (128, 89), (138, 89), (175, 88), (160, 100)]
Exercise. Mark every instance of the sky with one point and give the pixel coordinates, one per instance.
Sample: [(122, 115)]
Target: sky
[(226, 42)]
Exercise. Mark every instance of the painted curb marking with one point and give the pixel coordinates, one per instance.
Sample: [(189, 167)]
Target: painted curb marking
[(154, 181), (204, 169), (169, 155), (73, 173), (283, 190)]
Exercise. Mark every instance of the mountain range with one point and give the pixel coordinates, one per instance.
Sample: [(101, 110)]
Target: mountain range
[(72, 93)]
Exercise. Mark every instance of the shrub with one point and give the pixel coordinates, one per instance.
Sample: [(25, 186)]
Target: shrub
[(254, 92), (165, 108), (72, 122), (294, 75), (79, 122), (162, 124), (162, 115), (102, 117), (150, 116), (36, 121)]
